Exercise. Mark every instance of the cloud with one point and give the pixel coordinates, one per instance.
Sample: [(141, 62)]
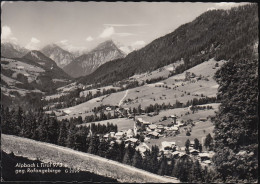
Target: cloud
[(125, 34), (33, 44), (7, 35), (138, 44), (124, 25), (64, 41), (66, 45), (108, 32), (89, 39)]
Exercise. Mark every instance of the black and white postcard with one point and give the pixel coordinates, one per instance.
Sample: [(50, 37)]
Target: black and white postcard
[(129, 92)]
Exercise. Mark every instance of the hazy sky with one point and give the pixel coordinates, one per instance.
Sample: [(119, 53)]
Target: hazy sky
[(85, 24)]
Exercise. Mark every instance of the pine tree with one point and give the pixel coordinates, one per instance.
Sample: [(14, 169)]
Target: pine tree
[(62, 134), (137, 160), (196, 144), (126, 159)]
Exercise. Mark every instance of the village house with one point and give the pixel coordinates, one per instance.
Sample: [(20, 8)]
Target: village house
[(108, 109), (153, 135), (204, 156), (208, 162), (129, 133), (160, 127), (174, 118), (179, 124), (106, 136), (203, 119), (178, 154), (194, 152), (152, 127), (168, 145), (192, 143), (131, 141), (112, 134), (119, 135), (142, 148)]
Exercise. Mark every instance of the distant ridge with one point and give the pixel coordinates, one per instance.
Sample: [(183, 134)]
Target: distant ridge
[(88, 63)]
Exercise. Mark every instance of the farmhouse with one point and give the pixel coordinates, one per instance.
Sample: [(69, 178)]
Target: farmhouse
[(194, 152), (112, 134), (192, 143), (174, 118), (142, 148), (119, 135), (153, 135), (129, 133), (208, 162), (131, 141), (203, 119), (160, 127), (168, 145), (174, 128), (108, 109), (204, 156), (152, 127)]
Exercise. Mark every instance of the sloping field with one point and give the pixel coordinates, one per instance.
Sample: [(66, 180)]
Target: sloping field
[(46, 152), (180, 113), (165, 91), (122, 123), (199, 131)]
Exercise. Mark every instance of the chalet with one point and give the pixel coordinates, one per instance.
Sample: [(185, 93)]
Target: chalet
[(203, 119), (153, 135), (150, 114), (130, 116), (182, 148), (194, 152), (129, 133), (160, 127), (158, 130), (108, 109), (178, 154), (152, 127), (146, 123), (112, 134), (174, 118), (119, 135), (118, 141), (168, 145), (142, 148), (208, 162), (106, 136), (180, 124), (192, 143), (204, 156), (148, 129), (173, 128), (131, 141)]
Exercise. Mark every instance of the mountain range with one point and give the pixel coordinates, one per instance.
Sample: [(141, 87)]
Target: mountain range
[(216, 33), (12, 50), (88, 63), (57, 54), (75, 64)]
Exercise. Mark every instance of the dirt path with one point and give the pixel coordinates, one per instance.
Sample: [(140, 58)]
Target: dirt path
[(46, 152), (121, 101)]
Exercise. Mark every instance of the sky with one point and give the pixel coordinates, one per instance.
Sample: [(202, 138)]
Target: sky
[(83, 25)]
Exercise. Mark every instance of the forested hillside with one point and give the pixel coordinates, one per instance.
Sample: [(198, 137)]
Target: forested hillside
[(216, 33), (236, 123)]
